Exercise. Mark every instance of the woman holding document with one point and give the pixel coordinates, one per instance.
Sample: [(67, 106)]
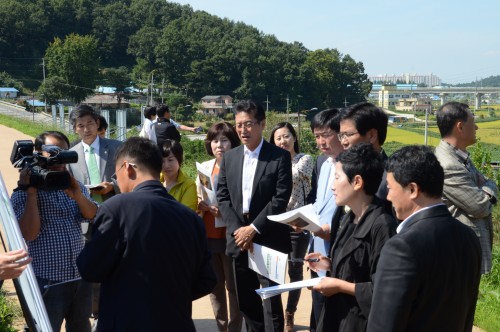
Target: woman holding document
[(284, 136), (363, 231), (221, 137)]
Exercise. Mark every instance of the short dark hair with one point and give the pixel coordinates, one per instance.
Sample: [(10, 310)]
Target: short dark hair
[(40, 139), (362, 159), (149, 112), (289, 126), (83, 110), (328, 118), (418, 164), (251, 107), (221, 128), (367, 116), (103, 124), (142, 152), (448, 115), (161, 109), (173, 147)]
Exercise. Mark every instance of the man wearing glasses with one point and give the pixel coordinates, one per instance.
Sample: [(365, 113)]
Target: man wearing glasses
[(325, 126), (365, 123), (255, 181), (148, 251)]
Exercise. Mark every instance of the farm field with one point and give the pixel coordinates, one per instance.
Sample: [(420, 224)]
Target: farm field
[(488, 134)]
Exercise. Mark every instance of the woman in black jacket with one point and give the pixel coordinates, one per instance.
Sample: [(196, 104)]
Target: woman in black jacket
[(363, 231)]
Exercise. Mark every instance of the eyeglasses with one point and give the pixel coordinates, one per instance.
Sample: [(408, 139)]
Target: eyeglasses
[(246, 125), (124, 163), (341, 136), (325, 134)]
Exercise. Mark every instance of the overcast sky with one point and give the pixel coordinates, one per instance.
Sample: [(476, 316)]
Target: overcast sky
[(455, 40)]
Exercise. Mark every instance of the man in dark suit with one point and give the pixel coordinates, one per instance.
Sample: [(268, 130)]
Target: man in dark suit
[(428, 274), (151, 266), (255, 181)]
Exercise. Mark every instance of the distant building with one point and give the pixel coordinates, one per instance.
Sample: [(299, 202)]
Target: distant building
[(105, 101), (106, 90), (8, 93), (414, 105), (402, 100), (397, 119), (389, 96), (429, 80), (216, 105)]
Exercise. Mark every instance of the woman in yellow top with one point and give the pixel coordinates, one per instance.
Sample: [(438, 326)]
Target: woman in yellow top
[(182, 188)]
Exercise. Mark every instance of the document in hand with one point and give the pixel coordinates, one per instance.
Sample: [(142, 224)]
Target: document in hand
[(268, 262), (205, 177), (268, 292), (304, 217)]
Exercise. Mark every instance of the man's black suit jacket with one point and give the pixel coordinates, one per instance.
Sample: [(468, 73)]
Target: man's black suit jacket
[(311, 197), (150, 255), (427, 276), (271, 191)]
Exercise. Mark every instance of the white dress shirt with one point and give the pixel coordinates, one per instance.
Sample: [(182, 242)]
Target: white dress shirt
[(250, 161), (404, 222)]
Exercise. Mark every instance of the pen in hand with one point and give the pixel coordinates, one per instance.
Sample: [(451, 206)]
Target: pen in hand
[(298, 260)]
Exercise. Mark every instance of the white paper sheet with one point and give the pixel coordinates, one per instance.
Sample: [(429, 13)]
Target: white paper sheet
[(304, 217), (268, 292), (268, 262), (209, 187)]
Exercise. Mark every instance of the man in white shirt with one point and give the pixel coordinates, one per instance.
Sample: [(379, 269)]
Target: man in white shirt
[(255, 181)]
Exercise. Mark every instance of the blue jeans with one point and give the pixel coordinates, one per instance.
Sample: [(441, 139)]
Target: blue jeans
[(71, 301)]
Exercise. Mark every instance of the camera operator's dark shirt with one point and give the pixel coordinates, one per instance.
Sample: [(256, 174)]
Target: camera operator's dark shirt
[(60, 241)]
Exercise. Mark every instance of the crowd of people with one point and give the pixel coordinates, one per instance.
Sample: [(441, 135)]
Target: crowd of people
[(402, 244)]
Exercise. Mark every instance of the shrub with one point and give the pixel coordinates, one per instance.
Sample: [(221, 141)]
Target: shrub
[(7, 314)]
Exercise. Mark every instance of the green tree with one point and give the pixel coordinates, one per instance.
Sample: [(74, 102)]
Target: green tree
[(8, 81), (334, 79), (119, 78), (52, 89), (112, 27), (75, 60)]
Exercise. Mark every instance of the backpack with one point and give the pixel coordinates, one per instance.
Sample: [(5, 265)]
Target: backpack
[(164, 130)]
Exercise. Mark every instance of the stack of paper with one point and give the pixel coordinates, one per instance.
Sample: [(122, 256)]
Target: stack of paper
[(268, 292), (304, 217)]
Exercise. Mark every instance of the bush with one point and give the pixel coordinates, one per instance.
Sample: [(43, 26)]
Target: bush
[(7, 314), (488, 302)]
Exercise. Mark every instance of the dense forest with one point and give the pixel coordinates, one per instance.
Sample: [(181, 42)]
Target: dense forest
[(80, 44)]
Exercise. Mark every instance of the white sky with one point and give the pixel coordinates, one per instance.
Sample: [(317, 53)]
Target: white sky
[(458, 41)]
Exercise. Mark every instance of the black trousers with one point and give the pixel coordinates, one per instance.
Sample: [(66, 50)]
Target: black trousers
[(260, 315), (318, 302)]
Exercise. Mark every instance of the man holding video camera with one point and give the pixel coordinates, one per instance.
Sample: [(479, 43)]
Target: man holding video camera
[(49, 219)]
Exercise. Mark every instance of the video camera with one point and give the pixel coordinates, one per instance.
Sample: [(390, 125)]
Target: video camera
[(23, 156)]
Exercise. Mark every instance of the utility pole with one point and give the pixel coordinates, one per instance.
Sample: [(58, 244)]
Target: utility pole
[(162, 89), (426, 126), (287, 101), (152, 83), (267, 104), (45, 97)]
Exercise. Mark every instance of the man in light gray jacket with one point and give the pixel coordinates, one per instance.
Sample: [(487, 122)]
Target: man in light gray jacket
[(469, 195)]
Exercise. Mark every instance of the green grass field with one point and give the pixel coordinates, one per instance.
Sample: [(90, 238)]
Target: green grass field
[(488, 134)]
